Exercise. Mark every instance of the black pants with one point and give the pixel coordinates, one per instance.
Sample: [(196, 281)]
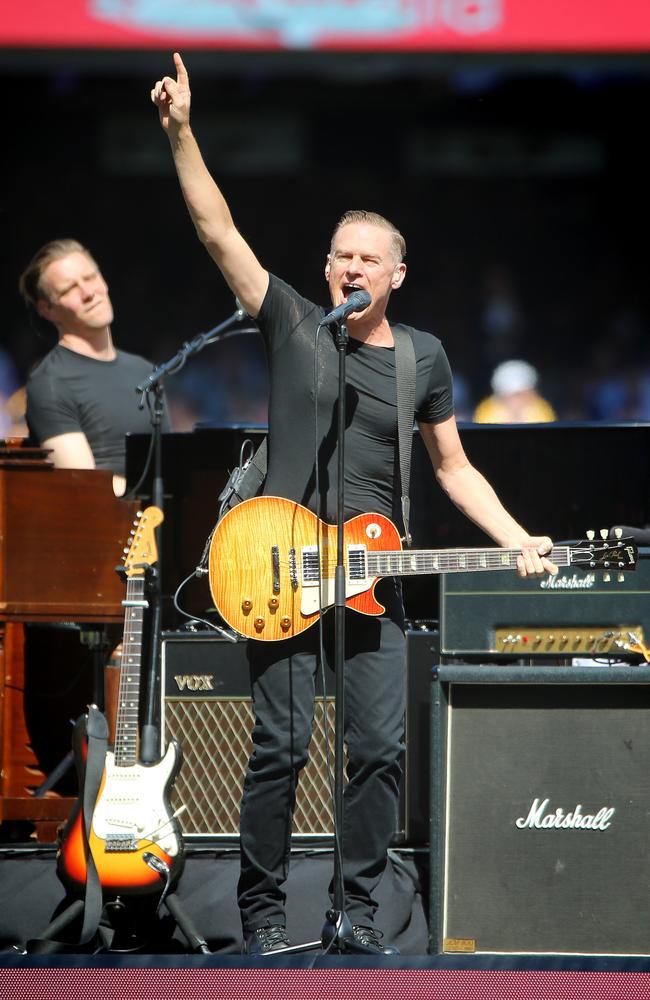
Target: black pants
[(283, 684)]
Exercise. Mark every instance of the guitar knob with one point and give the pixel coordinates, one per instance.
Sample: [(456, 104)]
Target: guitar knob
[(259, 624), (285, 623), (274, 604), (246, 605)]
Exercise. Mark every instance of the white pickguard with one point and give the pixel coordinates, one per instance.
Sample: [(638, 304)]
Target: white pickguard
[(132, 803)]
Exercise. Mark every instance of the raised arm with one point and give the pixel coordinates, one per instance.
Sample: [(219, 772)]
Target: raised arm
[(207, 206), (474, 496)]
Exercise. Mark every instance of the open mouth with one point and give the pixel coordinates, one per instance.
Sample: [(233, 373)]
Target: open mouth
[(348, 289)]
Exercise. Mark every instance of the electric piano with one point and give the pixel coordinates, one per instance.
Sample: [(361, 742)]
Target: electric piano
[(62, 532)]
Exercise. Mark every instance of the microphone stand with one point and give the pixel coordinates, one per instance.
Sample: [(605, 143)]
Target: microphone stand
[(337, 931), (150, 738)]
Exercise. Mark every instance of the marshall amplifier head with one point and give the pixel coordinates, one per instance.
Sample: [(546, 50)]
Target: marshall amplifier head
[(577, 613)]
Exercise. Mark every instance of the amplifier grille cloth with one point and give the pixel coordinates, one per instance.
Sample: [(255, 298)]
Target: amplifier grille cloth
[(215, 736)]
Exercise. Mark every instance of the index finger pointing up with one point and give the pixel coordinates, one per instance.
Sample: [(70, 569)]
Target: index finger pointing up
[(181, 72)]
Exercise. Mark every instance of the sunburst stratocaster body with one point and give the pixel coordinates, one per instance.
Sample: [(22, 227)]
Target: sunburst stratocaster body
[(132, 816)]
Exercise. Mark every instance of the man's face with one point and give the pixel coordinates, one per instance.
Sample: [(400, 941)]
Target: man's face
[(75, 295), (362, 256)]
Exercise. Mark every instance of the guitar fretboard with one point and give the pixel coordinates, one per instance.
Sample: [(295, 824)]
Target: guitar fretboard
[(425, 561), (126, 728)]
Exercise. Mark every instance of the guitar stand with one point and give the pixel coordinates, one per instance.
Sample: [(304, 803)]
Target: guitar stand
[(114, 934), (174, 906), (185, 924)]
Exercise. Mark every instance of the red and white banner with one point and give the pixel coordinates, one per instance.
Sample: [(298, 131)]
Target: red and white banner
[(416, 25)]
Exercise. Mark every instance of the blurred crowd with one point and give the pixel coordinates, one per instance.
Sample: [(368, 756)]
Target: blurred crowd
[(501, 375)]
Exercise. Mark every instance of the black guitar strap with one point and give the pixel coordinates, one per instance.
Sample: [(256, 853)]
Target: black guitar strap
[(97, 732), (405, 377)]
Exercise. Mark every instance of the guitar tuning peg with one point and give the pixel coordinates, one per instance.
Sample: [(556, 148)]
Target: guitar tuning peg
[(606, 577), (604, 533), (125, 551), (591, 535), (618, 532), (138, 513)]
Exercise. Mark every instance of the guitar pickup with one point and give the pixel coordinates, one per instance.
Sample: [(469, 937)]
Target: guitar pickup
[(275, 561)]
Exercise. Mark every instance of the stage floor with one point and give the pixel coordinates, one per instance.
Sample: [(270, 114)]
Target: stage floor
[(162, 966), (30, 895)]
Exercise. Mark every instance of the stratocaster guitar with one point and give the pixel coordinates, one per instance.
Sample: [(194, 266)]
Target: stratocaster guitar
[(268, 580), (132, 814)]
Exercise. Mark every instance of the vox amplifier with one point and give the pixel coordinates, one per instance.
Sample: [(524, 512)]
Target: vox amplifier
[(206, 707)]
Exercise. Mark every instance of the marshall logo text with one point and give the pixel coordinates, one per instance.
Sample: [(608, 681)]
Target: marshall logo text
[(539, 819), (575, 582)]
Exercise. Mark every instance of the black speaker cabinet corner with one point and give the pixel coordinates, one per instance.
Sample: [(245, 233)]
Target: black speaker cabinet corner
[(541, 810)]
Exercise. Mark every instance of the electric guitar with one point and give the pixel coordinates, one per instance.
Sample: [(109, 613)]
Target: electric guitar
[(272, 563), (132, 815)]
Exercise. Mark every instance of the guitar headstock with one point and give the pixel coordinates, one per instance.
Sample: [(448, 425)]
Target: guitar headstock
[(142, 551), (616, 554)]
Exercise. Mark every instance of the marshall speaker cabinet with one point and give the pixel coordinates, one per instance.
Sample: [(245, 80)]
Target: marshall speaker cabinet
[(206, 708), (541, 809)]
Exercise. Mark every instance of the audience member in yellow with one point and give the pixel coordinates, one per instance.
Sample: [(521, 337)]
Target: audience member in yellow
[(514, 399)]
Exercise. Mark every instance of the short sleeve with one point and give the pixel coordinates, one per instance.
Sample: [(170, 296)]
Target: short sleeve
[(49, 411)]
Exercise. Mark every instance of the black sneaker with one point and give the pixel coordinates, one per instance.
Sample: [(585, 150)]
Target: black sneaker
[(266, 940), (367, 939)]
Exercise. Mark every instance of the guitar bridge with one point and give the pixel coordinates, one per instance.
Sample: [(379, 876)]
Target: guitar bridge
[(120, 842)]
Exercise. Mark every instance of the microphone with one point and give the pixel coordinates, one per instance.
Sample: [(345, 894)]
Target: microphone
[(357, 301)]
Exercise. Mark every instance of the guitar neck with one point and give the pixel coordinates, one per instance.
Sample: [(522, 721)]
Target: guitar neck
[(127, 720), (431, 561)]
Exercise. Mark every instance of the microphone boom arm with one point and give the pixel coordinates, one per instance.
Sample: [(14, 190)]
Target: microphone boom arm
[(190, 348)]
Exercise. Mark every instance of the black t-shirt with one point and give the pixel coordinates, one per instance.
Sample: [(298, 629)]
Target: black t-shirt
[(68, 392), (288, 323)]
